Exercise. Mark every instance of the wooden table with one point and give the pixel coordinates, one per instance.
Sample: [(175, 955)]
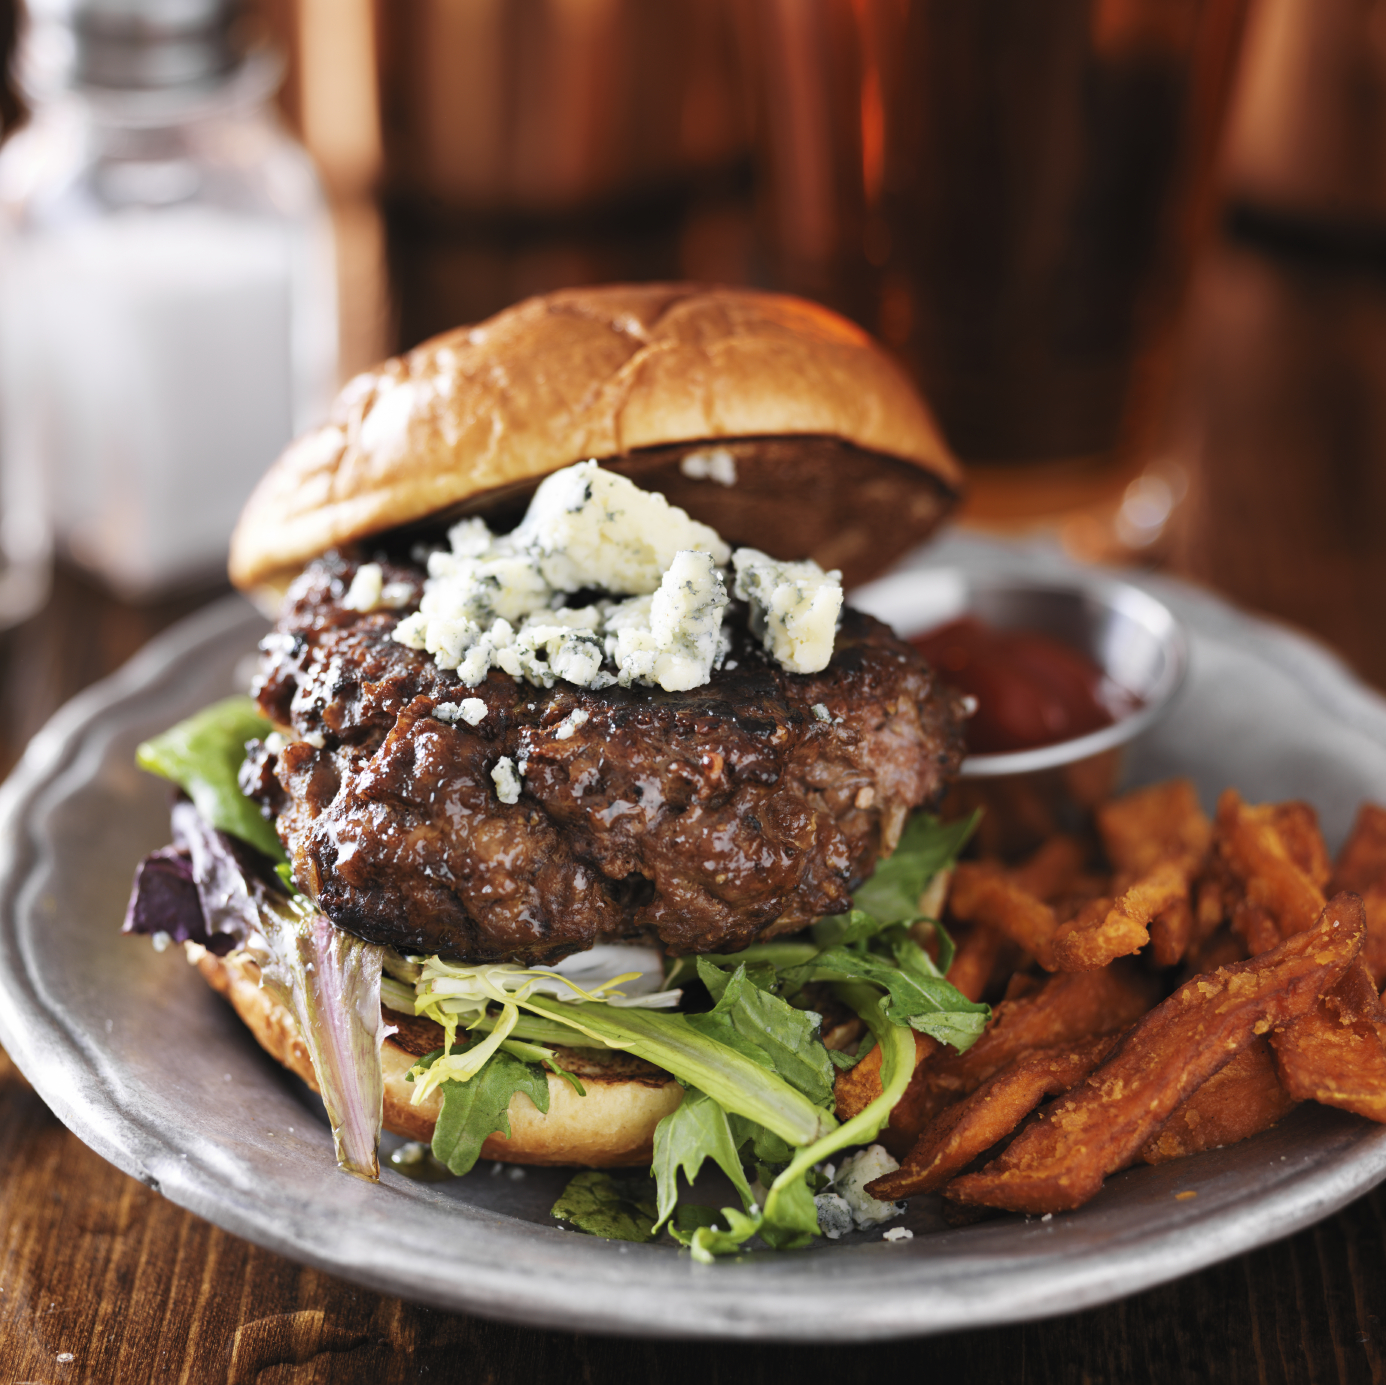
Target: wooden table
[(1284, 424)]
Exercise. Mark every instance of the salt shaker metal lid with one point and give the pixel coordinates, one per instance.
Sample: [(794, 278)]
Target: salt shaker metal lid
[(136, 45)]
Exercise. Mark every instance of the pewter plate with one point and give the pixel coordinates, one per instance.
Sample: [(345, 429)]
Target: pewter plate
[(150, 1068)]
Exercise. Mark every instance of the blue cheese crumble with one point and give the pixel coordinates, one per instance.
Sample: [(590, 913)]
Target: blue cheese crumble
[(565, 728), (710, 464), (587, 527), (794, 608), (673, 638), (507, 780), (845, 1205), (501, 601), (472, 710), (853, 1176), (369, 591)]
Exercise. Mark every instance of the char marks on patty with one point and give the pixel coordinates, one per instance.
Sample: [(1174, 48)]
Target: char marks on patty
[(711, 818)]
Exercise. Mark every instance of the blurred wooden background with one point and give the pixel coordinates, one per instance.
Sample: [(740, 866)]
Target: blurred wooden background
[(478, 153)]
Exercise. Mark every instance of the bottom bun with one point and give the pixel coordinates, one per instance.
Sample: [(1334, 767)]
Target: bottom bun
[(610, 1127)]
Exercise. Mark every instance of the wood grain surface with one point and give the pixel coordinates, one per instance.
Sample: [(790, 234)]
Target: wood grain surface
[(1283, 423)]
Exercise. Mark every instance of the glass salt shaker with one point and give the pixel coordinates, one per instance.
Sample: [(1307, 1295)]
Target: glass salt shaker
[(167, 285)]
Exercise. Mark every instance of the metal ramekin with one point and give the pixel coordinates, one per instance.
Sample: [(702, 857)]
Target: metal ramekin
[(1133, 637)]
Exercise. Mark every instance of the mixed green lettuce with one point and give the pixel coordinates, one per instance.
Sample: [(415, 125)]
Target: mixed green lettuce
[(203, 756), (473, 1110), (757, 1076), (328, 978), (616, 1205)]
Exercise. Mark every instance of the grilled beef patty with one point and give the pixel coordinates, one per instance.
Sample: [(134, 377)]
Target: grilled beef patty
[(710, 818)]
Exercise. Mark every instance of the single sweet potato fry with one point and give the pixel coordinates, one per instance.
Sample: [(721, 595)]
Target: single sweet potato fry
[(1054, 870), (1362, 861), (976, 958), (1156, 839), (1255, 927), (1065, 1009), (959, 1134), (1171, 931), (1334, 1054), (1361, 868), (1098, 936), (1243, 1099), (1162, 823), (1060, 1160), (1374, 949), (856, 1088), (986, 895), (1297, 825), (1251, 845)]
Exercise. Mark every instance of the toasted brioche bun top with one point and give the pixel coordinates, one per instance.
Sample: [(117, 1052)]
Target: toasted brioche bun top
[(593, 372)]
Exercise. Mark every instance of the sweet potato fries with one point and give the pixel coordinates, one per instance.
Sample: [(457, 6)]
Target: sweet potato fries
[(1268, 957)]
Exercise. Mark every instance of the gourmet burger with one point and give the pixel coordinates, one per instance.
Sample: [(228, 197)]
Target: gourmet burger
[(564, 737)]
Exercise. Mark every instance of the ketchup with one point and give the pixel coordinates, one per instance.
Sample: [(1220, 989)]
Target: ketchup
[(1031, 689)]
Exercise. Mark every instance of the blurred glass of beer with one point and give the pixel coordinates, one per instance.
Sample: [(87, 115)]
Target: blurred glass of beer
[(1006, 191)]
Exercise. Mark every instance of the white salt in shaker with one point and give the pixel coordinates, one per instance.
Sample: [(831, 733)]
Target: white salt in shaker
[(167, 287)]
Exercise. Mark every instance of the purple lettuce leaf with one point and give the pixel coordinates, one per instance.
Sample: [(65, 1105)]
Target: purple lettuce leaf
[(214, 889), (164, 899), (225, 870), (332, 981)]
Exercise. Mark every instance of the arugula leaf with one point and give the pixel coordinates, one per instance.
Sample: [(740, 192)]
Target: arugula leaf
[(792, 1219), (708, 1242), (688, 1218), (947, 949), (926, 847), (921, 996), (761, 1025), (855, 928), (766, 1147), (735, 1082), (537, 1053), (794, 1224), (784, 1205), (202, 755), (474, 1109), (910, 957), (844, 930), (761, 975), (778, 954), (695, 1131), (926, 1003), (616, 1206)]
